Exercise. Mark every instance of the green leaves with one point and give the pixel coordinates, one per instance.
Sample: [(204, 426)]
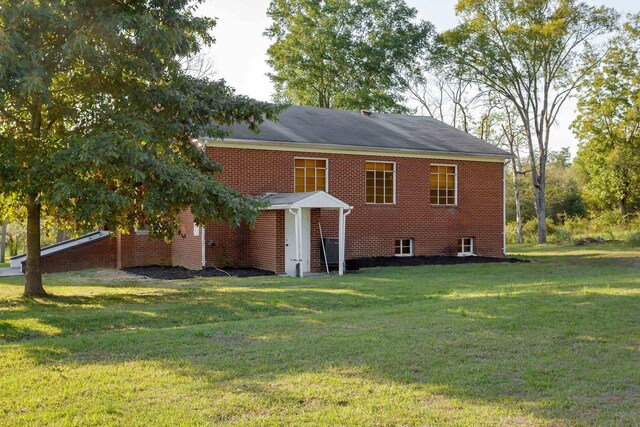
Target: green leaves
[(608, 124), (98, 118), (344, 54)]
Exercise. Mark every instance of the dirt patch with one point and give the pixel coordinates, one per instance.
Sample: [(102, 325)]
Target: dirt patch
[(356, 264), (176, 273)]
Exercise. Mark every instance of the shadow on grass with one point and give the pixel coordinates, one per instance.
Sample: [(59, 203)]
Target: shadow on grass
[(558, 352), (563, 342)]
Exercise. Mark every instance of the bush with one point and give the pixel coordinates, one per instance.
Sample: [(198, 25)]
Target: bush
[(633, 239), (529, 231)]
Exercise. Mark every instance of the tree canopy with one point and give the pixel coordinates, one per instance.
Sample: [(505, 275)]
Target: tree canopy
[(98, 119), (344, 54), (534, 54), (608, 123)]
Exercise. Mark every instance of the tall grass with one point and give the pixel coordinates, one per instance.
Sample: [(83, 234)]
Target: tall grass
[(608, 225)]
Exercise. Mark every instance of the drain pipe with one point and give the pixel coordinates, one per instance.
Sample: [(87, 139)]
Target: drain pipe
[(203, 246)]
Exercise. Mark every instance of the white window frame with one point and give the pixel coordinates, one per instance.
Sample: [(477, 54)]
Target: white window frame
[(455, 193), (472, 244), (410, 247), (395, 174), (196, 230), (326, 178)]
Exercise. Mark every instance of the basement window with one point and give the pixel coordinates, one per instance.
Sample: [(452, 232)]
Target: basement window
[(404, 247), (465, 246)]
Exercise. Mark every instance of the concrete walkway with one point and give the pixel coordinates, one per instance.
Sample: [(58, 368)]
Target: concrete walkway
[(9, 272)]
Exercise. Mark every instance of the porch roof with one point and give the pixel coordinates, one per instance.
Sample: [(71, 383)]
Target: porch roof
[(314, 199)]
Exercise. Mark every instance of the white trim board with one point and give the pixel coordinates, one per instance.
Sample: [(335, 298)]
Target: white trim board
[(345, 149)]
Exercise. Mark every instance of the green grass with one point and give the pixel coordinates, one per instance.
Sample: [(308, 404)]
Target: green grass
[(551, 342), (4, 264)]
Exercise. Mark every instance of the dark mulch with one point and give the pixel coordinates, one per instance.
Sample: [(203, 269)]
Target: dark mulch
[(174, 273), (356, 264)]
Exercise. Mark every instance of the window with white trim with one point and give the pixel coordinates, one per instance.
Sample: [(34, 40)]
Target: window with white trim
[(404, 247), (444, 185), (310, 175), (196, 230), (465, 246), (381, 182)]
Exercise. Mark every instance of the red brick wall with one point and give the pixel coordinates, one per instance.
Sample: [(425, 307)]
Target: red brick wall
[(226, 246), (373, 229), (186, 250), (140, 250), (265, 244), (95, 254)]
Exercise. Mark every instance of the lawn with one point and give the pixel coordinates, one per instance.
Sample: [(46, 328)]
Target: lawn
[(551, 342)]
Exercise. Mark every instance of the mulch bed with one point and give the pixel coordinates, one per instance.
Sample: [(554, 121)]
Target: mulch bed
[(175, 273), (356, 264)]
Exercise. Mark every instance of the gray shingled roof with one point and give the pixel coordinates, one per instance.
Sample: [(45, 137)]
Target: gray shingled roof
[(285, 198), (307, 125)]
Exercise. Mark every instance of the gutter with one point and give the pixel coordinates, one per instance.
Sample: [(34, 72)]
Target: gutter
[(305, 146)]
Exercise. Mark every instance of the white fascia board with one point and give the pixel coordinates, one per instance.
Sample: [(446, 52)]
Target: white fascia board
[(346, 149)]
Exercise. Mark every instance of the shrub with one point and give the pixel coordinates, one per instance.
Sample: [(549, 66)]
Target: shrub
[(633, 239)]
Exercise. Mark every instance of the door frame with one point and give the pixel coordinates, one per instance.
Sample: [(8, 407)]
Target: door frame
[(297, 241)]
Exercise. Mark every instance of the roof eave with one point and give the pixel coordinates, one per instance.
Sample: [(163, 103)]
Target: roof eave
[(339, 148)]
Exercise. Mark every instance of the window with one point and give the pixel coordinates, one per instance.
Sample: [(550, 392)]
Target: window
[(196, 230), (381, 182), (444, 185), (465, 246), (310, 175), (404, 247)]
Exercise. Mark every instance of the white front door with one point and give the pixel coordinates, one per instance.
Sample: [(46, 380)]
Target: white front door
[(290, 253)]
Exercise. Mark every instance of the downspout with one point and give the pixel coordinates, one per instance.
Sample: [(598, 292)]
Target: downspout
[(504, 209), (202, 238), (204, 247)]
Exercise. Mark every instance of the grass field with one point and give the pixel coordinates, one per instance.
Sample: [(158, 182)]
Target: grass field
[(551, 342)]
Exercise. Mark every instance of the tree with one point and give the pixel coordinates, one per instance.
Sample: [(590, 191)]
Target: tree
[(501, 125), (608, 123), (98, 119), (445, 96), (343, 53), (534, 54)]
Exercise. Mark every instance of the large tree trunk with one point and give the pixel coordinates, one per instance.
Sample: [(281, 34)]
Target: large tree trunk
[(33, 282), (516, 188), (622, 205), (541, 208), (3, 242)]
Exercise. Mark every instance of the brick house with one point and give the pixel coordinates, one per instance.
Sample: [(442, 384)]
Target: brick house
[(371, 184)]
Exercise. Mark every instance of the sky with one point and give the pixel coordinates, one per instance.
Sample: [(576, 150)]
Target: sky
[(239, 53)]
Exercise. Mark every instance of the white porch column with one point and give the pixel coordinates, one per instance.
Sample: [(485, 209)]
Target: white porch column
[(298, 225), (341, 240), (342, 232)]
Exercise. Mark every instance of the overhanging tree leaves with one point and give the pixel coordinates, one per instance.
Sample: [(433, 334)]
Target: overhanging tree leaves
[(534, 53), (343, 53), (608, 124), (97, 118)]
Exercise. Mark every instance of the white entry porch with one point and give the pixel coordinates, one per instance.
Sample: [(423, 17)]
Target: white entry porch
[(298, 228)]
